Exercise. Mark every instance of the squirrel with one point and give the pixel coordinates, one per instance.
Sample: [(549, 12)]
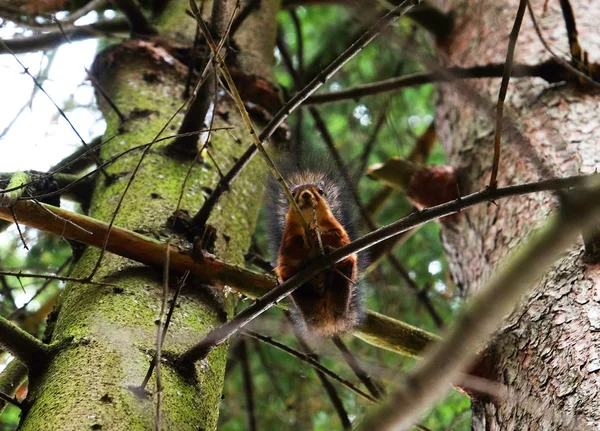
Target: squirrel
[(330, 303)]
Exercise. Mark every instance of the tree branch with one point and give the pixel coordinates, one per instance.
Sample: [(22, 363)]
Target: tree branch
[(55, 37), (337, 403), (248, 387), (22, 345), (311, 361), (11, 379), (549, 70), (135, 15), (512, 42)]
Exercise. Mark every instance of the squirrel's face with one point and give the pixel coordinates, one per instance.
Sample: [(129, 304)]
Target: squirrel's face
[(309, 196)]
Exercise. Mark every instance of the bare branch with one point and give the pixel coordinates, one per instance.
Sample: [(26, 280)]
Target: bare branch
[(160, 332), (60, 110), (512, 42), (329, 388), (358, 370), (248, 389), (549, 71), (52, 39), (135, 15), (11, 379), (22, 345), (311, 361), (582, 76)]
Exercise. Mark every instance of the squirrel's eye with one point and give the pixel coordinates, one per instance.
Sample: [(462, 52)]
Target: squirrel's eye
[(321, 192)]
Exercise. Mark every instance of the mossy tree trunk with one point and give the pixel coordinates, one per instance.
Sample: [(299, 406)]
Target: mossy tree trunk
[(547, 352), (109, 332)]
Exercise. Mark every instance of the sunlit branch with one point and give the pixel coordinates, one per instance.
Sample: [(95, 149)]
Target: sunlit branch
[(54, 38)]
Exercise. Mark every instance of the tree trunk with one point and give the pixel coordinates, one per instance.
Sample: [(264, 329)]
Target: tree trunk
[(546, 352), (108, 333)]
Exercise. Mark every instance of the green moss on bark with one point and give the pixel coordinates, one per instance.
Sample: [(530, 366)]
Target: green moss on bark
[(109, 333)]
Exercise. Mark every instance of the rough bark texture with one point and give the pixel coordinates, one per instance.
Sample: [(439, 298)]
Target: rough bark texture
[(109, 333), (547, 352)]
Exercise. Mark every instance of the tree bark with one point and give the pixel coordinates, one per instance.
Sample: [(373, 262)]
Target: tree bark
[(546, 352), (107, 335)]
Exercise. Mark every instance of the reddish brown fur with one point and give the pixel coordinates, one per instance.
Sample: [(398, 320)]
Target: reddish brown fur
[(326, 302)]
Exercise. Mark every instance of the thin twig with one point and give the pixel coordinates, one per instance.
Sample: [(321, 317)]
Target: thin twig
[(242, 349), (159, 338), (309, 360), (329, 388), (61, 112), (298, 144), (358, 370), (94, 81), (582, 76), (269, 370), (370, 144), (54, 38), (21, 274), (153, 362), (512, 42), (21, 309), (41, 78)]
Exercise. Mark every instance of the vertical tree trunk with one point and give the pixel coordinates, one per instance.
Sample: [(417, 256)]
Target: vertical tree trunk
[(108, 333), (547, 352)]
